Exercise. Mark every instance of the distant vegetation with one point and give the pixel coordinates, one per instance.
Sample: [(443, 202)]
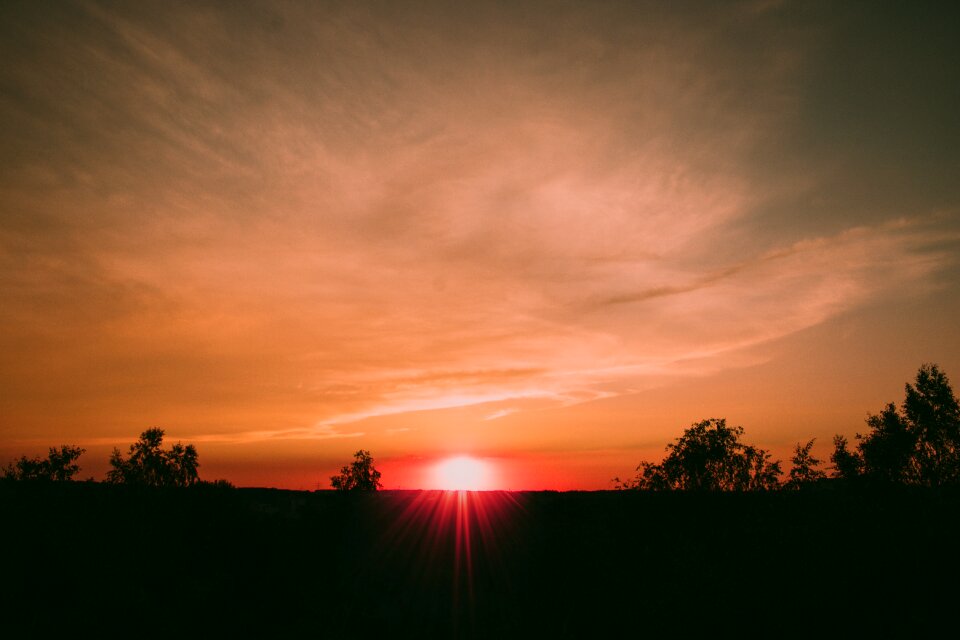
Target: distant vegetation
[(359, 475), (708, 457), (916, 444), (59, 465), (149, 465)]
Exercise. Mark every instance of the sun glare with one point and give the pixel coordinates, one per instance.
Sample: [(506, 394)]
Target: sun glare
[(462, 473)]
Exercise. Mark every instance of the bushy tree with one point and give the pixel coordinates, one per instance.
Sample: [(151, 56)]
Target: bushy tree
[(846, 464), (708, 457), (932, 413), (804, 470), (60, 465), (887, 451), (359, 475), (919, 443), (149, 465)]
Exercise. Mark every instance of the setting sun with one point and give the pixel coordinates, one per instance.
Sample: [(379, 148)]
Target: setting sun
[(462, 473)]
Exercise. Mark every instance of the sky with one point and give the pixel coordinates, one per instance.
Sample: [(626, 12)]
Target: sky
[(546, 235)]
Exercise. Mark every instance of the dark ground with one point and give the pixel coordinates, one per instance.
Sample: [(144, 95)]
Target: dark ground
[(110, 560)]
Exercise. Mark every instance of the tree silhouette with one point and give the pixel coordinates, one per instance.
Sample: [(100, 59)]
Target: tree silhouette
[(708, 457), (804, 470), (846, 464), (150, 465), (916, 444), (887, 452), (932, 414), (59, 466), (359, 475)]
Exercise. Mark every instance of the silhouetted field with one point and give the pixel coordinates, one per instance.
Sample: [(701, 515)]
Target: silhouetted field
[(117, 560)]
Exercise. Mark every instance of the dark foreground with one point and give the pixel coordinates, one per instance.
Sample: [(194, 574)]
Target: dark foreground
[(213, 562)]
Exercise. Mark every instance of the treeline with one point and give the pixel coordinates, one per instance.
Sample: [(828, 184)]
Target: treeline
[(147, 464), (915, 444)]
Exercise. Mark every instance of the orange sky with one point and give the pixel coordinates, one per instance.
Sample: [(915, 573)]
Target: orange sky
[(548, 235)]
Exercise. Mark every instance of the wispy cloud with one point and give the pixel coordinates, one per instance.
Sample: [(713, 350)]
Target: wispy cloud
[(305, 217), (500, 413)]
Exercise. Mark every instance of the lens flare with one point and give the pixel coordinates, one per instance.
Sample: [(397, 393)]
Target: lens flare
[(462, 473), (456, 545)]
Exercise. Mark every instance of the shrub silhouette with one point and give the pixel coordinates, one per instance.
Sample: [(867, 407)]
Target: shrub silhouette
[(919, 443), (708, 457), (150, 465), (359, 475), (59, 466)]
